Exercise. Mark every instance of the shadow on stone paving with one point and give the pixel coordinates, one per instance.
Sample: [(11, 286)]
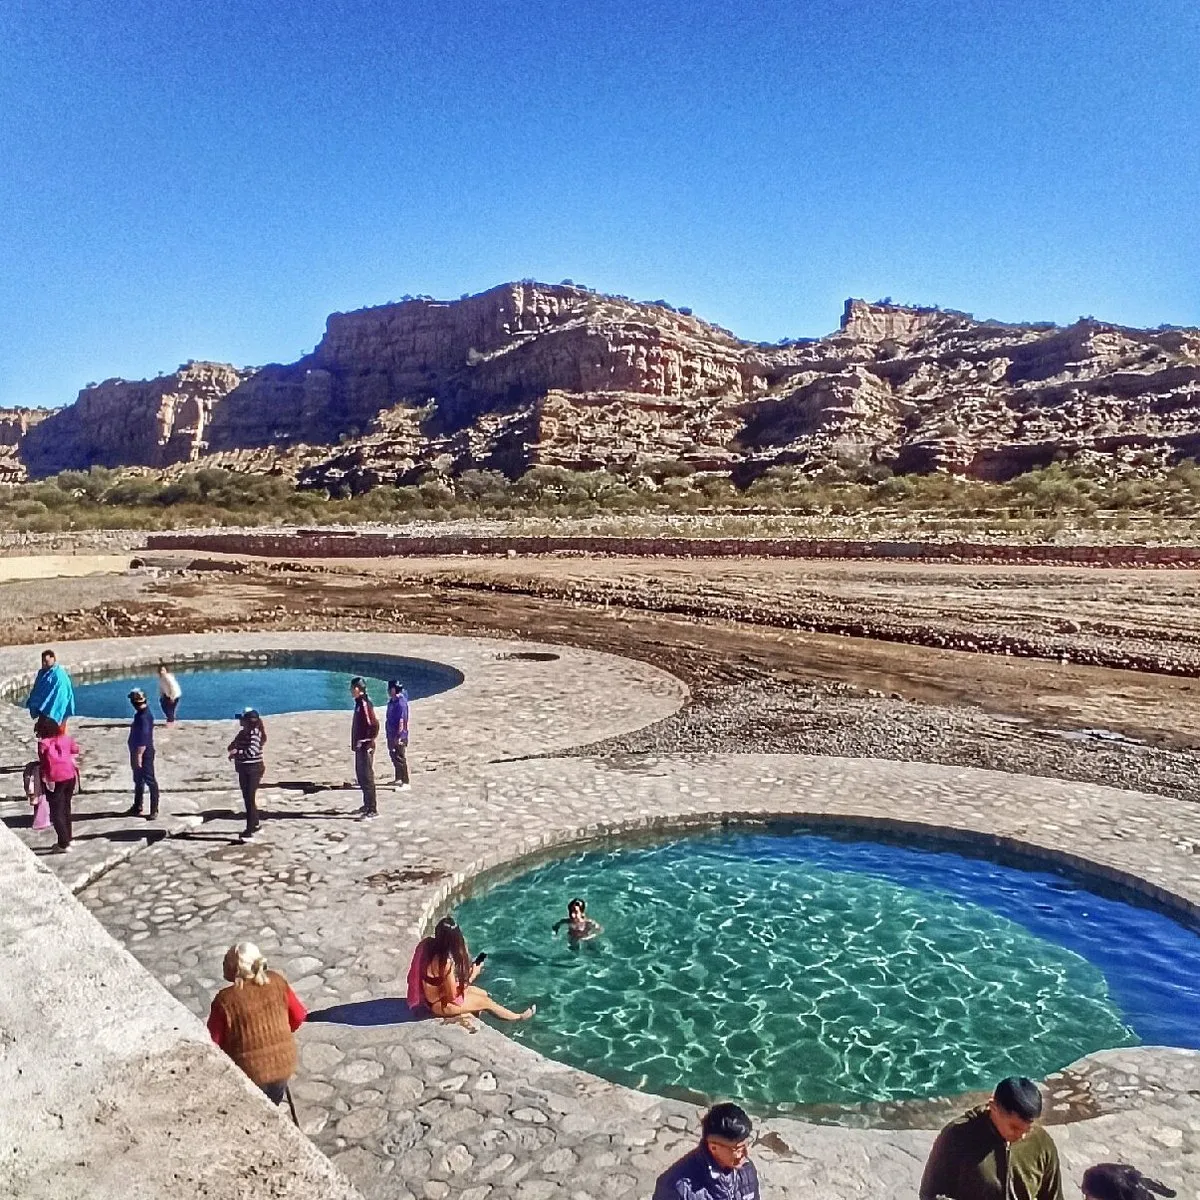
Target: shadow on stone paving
[(387, 1010), (124, 835), (318, 814), (275, 814)]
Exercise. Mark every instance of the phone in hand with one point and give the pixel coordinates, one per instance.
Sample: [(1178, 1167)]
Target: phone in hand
[(481, 958)]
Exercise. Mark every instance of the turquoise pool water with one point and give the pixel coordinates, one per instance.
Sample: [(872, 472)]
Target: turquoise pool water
[(793, 967), (295, 682)]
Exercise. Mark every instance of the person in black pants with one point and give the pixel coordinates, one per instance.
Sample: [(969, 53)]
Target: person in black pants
[(246, 751), (141, 756), (363, 731), (56, 761)]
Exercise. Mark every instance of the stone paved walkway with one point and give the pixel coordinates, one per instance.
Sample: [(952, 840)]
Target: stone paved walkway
[(433, 1110)]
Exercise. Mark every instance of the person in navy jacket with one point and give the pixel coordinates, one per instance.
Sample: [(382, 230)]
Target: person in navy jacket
[(720, 1167)]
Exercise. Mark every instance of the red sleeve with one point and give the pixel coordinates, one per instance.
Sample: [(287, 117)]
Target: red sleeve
[(216, 1025), (296, 1010)]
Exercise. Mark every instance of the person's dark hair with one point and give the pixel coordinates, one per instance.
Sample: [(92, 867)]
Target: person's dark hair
[(48, 653), (1118, 1181), (1019, 1097), (44, 727), (726, 1121), (577, 902), (449, 945), (251, 720), (359, 682), (394, 685)]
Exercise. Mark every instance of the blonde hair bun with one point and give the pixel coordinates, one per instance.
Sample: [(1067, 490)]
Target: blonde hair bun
[(245, 961)]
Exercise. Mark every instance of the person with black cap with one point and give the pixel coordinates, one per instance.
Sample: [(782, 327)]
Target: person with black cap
[(141, 755), (364, 729), (395, 725), (1118, 1181), (996, 1151), (246, 753), (720, 1167)]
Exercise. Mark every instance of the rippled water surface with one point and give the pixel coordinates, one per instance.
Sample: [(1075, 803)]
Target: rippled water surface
[(215, 691), (788, 967)]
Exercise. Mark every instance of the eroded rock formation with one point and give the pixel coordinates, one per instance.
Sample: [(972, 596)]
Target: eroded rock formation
[(529, 374), (15, 424), (149, 422)]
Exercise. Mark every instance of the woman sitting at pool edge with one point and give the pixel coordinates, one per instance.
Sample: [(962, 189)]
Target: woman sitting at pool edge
[(448, 979)]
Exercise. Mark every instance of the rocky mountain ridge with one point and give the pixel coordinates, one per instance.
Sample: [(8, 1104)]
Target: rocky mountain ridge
[(528, 374)]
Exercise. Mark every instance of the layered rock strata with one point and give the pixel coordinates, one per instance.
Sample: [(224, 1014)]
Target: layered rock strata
[(15, 424), (149, 422), (528, 374)]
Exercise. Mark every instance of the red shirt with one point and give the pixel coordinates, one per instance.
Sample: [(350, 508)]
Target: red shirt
[(296, 1014)]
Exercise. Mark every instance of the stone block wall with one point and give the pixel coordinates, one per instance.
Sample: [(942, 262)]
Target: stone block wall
[(352, 544)]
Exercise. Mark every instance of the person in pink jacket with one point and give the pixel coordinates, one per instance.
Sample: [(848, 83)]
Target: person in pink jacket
[(56, 758)]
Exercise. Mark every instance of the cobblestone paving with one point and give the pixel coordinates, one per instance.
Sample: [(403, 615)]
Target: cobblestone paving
[(434, 1110), (508, 705)]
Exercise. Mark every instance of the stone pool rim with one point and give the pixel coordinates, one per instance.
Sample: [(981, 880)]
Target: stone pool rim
[(1126, 886), (537, 850), (14, 688)]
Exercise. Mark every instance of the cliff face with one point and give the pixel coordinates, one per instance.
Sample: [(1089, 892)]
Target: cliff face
[(490, 353), (15, 424), (150, 422), (528, 373)]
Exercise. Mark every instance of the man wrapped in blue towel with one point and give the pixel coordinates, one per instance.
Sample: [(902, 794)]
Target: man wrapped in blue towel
[(52, 696)]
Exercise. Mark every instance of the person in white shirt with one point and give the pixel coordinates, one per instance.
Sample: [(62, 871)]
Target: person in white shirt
[(169, 693)]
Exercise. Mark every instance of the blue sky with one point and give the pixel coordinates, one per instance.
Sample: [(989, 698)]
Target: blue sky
[(211, 180)]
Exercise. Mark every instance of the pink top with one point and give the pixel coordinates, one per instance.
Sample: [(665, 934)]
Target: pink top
[(57, 758)]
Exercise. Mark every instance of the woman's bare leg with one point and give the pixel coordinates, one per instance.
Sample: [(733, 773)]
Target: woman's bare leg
[(476, 1000)]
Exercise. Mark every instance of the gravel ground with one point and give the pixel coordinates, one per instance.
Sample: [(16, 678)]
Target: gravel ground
[(833, 719)]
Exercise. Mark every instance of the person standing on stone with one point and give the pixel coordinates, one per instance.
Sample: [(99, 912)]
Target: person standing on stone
[(56, 762), (141, 756), (364, 729), (255, 1018), (246, 753), (720, 1167), (996, 1151), (169, 694), (395, 723), (52, 695)]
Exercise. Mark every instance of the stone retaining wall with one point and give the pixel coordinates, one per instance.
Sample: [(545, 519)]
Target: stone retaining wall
[(109, 1088), (351, 544)]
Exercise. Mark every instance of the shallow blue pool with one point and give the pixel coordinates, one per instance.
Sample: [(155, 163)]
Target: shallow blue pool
[(794, 967), (295, 682)]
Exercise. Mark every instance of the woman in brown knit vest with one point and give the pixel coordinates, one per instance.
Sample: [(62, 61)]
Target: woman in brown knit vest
[(254, 1018)]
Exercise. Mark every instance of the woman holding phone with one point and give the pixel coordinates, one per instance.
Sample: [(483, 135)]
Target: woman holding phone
[(448, 978)]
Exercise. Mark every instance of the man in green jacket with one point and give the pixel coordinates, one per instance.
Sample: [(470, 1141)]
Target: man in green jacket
[(995, 1151)]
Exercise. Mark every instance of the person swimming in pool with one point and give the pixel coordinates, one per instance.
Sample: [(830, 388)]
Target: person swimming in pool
[(448, 978), (580, 927)]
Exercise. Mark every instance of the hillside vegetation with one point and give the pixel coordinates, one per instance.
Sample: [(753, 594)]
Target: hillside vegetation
[(1040, 504)]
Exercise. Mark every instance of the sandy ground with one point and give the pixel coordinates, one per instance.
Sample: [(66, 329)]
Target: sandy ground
[(51, 566)]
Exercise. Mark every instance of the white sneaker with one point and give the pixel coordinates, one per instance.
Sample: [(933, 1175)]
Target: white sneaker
[(403, 787)]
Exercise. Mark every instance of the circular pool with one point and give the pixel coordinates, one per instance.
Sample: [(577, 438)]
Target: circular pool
[(272, 682), (790, 966)]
